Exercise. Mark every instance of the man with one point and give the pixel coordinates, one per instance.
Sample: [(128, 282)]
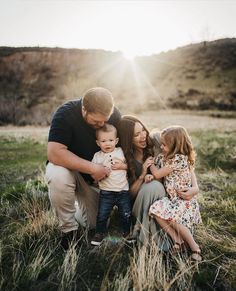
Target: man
[(71, 146)]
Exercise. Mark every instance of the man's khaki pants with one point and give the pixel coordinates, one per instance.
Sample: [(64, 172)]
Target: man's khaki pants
[(74, 201)]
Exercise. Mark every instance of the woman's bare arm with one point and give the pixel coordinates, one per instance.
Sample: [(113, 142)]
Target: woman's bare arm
[(140, 180), (191, 191)]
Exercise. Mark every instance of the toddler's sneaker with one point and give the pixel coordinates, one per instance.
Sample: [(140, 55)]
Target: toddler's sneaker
[(97, 239)]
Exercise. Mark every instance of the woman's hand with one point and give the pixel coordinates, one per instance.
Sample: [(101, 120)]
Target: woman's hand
[(148, 178), (188, 193), (140, 180), (149, 161), (118, 164)]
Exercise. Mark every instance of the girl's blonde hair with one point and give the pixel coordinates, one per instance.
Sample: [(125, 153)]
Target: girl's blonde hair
[(179, 142)]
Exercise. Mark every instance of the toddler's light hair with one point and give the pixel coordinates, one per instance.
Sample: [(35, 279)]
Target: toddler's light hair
[(179, 142), (106, 128)]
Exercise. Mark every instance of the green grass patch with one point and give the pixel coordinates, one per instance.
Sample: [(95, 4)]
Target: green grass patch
[(215, 150), (20, 160)]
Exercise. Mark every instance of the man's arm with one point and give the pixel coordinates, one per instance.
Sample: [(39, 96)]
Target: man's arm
[(59, 155)]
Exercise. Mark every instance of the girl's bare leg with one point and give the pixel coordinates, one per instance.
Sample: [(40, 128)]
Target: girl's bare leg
[(178, 233), (167, 227), (187, 236)]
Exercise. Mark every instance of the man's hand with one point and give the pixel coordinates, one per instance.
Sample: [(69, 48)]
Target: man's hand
[(100, 172)]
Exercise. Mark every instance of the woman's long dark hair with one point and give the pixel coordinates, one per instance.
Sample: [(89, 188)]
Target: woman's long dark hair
[(126, 134)]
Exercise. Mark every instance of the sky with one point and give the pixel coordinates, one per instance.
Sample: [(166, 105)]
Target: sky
[(133, 27)]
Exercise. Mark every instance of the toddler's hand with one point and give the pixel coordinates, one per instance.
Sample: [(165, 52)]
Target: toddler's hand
[(117, 164), (148, 178)]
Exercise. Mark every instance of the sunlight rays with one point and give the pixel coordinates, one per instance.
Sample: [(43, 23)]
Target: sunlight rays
[(143, 82), (131, 81), (129, 78), (116, 72)]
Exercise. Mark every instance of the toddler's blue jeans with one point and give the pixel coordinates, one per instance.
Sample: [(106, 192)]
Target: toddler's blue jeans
[(107, 200)]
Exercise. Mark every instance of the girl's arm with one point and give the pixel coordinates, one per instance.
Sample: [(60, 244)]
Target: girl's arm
[(160, 173), (134, 188), (191, 191)]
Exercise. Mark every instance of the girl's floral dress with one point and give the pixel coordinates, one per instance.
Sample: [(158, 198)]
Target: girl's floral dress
[(173, 208)]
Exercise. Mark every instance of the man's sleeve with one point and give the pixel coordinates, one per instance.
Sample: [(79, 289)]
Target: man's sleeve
[(60, 130), (95, 159)]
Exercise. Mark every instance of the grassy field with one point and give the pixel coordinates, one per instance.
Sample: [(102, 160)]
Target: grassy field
[(30, 254)]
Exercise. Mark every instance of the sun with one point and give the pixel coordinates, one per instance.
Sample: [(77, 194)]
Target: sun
[(129, 54)]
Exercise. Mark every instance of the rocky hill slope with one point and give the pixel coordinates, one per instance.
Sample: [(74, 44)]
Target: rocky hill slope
[(35, 81)]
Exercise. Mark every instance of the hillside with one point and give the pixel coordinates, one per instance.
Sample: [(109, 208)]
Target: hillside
[(35, 81)]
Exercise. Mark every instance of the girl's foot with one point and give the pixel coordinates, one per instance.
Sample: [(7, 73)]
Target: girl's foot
[(196, 256)]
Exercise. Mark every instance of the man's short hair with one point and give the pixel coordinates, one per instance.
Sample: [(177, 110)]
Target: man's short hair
[(98, 100)]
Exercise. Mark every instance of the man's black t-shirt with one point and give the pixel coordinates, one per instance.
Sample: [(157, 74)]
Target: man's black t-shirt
[(68, 127)]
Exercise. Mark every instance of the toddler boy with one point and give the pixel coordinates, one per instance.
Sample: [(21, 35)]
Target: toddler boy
[(114, 190)]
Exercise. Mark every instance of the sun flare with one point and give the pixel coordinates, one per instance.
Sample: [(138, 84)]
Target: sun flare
[(129, 54)]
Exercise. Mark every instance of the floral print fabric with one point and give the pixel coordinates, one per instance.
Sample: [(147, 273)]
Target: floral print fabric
[(173, 208)]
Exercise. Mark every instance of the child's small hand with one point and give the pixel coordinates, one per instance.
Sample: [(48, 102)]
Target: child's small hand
[(117, 164), (148, 178), (149, 161)]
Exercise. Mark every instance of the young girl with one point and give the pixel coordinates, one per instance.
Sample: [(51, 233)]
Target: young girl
[(175, 215)]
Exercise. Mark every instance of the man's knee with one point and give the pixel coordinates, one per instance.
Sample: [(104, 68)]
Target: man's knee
[(59, 177)]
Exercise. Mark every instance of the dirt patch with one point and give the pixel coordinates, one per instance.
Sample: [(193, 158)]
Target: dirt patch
[(32, 132)]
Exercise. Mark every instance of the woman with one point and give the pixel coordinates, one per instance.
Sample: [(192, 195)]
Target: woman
[(138, 150)]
